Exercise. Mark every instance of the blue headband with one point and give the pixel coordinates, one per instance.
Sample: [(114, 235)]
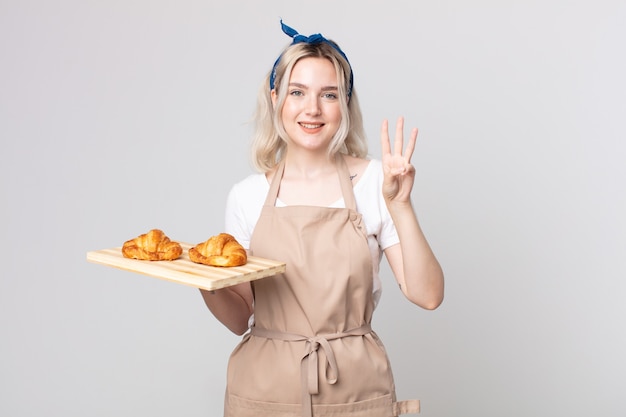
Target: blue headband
[(313, 39)]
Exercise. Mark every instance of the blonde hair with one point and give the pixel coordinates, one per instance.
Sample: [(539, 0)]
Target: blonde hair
[(269, 140)]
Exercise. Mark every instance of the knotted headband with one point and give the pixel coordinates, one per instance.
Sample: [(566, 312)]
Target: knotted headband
[(313, 39)]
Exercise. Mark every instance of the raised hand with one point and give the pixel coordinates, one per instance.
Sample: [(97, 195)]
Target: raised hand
[(399, 174)]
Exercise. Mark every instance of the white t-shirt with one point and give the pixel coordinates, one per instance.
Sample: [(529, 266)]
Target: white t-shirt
[(246, 199)]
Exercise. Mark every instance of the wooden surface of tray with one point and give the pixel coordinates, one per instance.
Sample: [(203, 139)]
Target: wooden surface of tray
[(184, 271)]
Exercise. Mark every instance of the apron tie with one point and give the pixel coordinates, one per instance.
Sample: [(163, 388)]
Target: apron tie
[(313, 345), (310, 361)]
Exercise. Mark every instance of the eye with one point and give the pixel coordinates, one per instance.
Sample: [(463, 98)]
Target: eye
[(296, 93), (330, 96)]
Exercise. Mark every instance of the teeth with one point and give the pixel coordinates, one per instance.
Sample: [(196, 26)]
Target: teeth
[(310, 126)]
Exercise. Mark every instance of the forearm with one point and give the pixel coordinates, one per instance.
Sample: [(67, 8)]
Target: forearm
[(231, 306), (417, 270)]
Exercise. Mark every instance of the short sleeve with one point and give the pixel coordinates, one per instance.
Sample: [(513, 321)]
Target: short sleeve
[(375, 209), (388, 234), (235, 219), (243, 207)]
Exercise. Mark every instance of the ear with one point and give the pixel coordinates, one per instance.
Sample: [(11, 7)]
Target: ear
[(274, 97)]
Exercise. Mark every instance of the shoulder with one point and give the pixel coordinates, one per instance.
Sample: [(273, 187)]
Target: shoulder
[(371, 204), (247, 194), (363, 169), (355, 164), (368, 184), (369, 171), (243, 207), (251, 185), (368, 190)]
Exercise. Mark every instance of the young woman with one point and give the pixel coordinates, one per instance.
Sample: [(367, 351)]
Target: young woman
[(322, 207)]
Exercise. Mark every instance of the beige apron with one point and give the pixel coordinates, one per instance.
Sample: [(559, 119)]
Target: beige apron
[(311, 351)]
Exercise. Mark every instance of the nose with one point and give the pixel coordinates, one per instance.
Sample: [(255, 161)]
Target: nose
[(313, 107)]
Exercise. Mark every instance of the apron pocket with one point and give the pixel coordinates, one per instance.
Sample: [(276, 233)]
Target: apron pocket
[(378, 407)]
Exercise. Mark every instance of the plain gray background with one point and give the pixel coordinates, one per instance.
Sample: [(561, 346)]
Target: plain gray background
[(120, 116)]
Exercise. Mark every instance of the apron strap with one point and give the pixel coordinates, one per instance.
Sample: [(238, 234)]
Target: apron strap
[(344, 180), (310, 361), (272, 194)]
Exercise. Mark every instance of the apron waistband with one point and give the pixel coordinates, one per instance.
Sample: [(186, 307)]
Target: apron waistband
[(309, 361)]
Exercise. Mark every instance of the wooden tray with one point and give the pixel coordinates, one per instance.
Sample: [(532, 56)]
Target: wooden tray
[(184, 271)]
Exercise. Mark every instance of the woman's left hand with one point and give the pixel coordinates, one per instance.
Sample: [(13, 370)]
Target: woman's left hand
[(399, 174)]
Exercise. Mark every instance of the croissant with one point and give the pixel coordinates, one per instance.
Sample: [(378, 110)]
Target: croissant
[(152, 246), (219, 250)]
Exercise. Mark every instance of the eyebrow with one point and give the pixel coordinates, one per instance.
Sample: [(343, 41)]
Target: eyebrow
[(303, 86)]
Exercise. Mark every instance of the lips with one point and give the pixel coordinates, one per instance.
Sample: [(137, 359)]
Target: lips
[(311, 125)]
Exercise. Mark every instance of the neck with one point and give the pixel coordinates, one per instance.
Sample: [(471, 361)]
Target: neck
[(308, 165)]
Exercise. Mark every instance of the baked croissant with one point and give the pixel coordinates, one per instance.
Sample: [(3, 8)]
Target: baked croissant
[(152, 246), (219, 250)]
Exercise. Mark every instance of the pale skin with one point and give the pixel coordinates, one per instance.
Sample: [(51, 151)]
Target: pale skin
[(310, 115), (412, 261)]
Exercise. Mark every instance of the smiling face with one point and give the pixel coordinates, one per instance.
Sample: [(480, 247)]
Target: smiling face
[(311, 113)]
